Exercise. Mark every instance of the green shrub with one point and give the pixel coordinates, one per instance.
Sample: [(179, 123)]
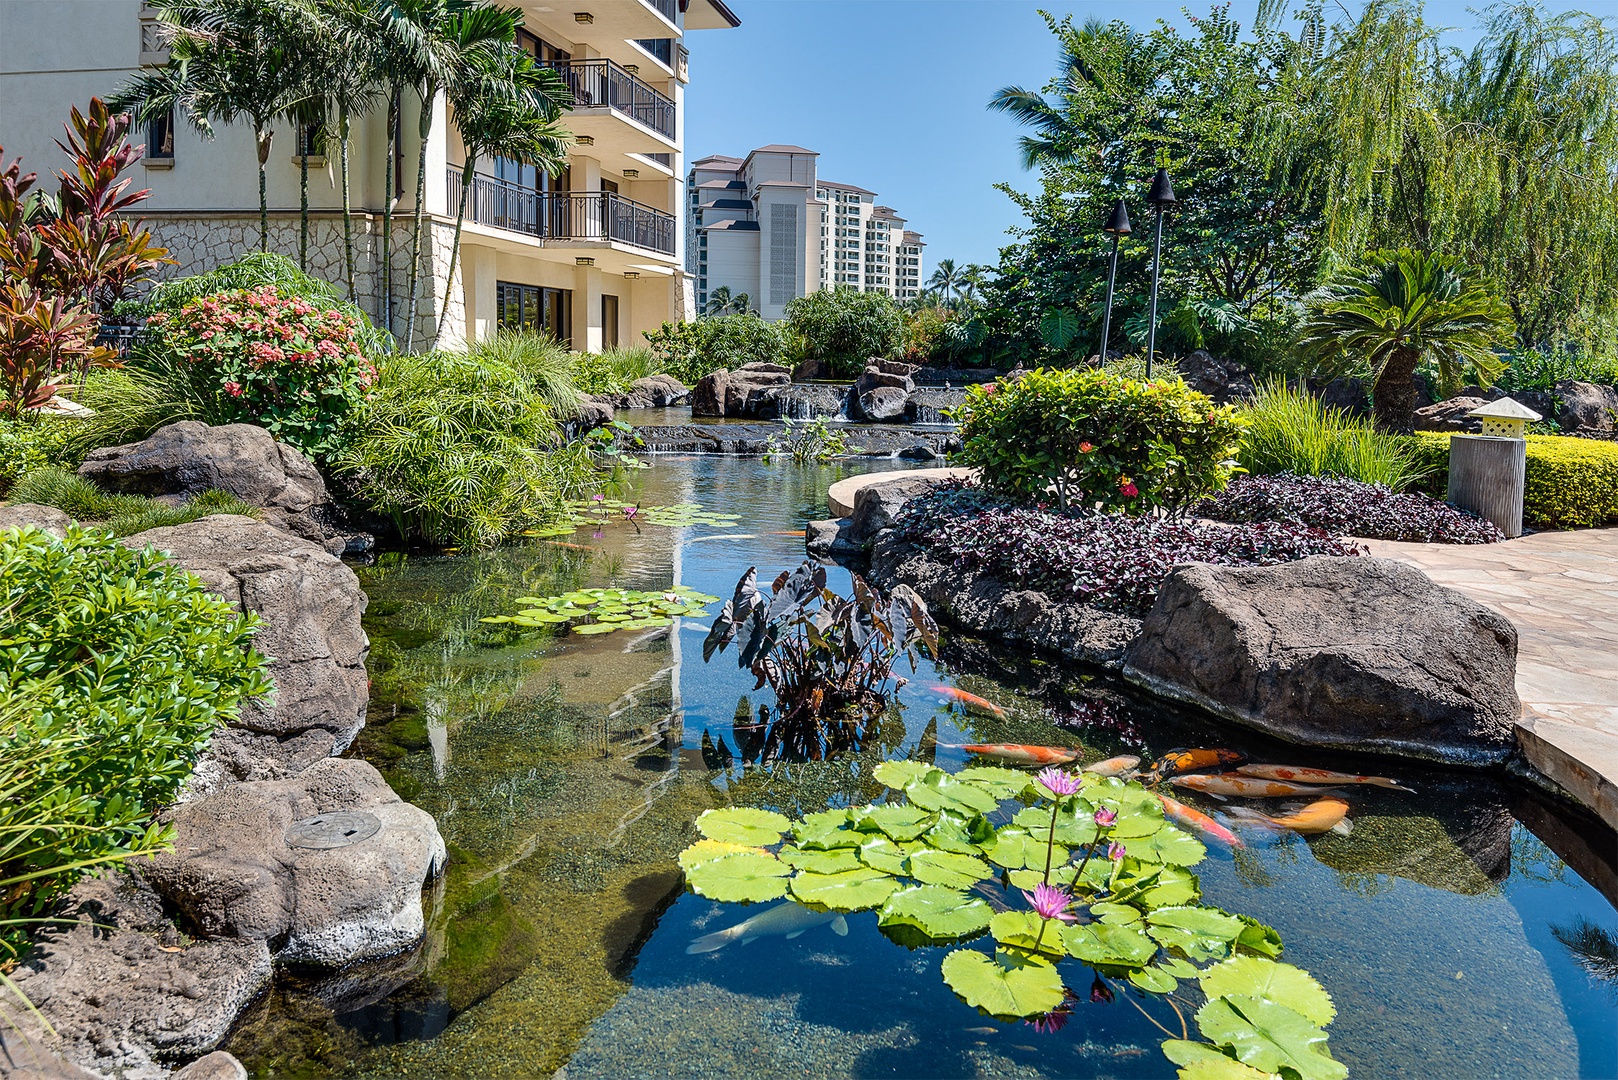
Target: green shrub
[(1570, 482), (688, 351), (1540, 370), (29, 442), (461, 452), (115, 668), (538, 359), (1290, 431), (131, 403), (122, 515), (1094, 439), (843, 327), (613, 371)]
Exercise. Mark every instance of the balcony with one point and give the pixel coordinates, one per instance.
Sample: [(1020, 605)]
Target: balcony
[(568, 216), (605, 85)]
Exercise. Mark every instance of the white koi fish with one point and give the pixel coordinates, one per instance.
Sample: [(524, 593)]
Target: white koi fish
[(788, 920)]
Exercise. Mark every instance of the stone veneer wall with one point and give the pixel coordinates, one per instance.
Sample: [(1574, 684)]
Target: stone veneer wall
[(202, 242)]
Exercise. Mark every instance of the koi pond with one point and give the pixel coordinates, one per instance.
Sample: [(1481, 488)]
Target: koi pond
[(1464, 930)]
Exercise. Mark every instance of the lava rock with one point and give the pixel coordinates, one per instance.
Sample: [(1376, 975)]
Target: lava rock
[(831, 538), (1222, 379), (1586, 408), (927, 404), (48, 518), (233, 872), (215, 1066), (1451, 415), (182, 460), (661, 390), (309, 604), (883, 403), (594, 411), (125, 992), (874, 378), (1351, 654), (893, 367), (1352, 395), (708, 396), (920, 452), (751, 390), (876, 506)]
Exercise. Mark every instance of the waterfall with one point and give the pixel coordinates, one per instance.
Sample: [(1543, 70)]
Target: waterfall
[(807, 401)]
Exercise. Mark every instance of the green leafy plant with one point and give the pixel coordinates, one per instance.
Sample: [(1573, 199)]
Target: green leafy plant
[(1061, 871), (29, 443), (115, 668), (1289, 430), (1396, 309), (843, 327), (1087, 438), (824, 655), (601, 611), (804, 441), (611, 371), (688, 351)]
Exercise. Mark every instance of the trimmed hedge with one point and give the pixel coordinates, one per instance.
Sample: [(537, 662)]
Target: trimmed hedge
[(1571, 482)]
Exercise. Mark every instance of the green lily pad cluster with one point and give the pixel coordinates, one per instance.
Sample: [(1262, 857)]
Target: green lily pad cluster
[(673, 516), (938, 871), (601, 611)]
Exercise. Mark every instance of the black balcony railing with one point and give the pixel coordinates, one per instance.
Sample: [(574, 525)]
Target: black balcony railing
[(565, 215), (597, 83)]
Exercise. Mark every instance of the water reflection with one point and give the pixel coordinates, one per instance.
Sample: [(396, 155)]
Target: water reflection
[(1455, 927)]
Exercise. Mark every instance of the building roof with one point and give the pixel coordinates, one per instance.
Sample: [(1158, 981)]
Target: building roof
[(885, 212), (782, 183), (732, 224), (721, 185), (782, 148), (717, 157), (719, 9), (847, 187), (732, 204), (912, 238)]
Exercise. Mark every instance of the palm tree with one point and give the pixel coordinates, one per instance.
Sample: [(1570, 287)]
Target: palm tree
[(352, 78), (946, 279), (973, 279), (1399, 308), (229, 60), (722, 302), (510, 112), (439, 44), (1056, 139)]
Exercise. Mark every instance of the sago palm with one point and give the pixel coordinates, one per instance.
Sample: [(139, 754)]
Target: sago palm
[(509, 110), (1398, 308)]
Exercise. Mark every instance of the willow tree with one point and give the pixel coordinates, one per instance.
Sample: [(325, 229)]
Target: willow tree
[(1506, 156)]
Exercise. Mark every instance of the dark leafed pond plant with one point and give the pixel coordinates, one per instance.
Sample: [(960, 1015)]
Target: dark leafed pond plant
[(1084, 887), (826, 656), (806, 441), (601, 611)]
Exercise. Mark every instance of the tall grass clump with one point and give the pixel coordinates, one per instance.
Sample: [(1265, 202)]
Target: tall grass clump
[(539, 359), (465, 449), (122, 515), (1290, 431), (614, 371)]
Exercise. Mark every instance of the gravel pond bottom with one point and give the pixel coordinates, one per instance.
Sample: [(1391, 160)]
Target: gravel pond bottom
[(1467, 931)]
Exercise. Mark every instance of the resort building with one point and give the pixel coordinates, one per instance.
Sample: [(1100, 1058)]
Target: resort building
[(768, 226), (594, 255)]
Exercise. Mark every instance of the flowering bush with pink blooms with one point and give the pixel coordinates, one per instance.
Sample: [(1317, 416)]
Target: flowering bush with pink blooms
[(275, 359), (1088, 439)]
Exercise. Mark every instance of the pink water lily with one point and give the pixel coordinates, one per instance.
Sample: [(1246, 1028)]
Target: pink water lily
[(1051, 902), (1106, 816), (1058, 782), (1115, 851)]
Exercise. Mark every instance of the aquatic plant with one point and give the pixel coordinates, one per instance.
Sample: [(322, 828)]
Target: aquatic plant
[(806, 441), (1346, 507), (607, 609), (673, 516), (824, 655), (1107, 885), (1113, 561)]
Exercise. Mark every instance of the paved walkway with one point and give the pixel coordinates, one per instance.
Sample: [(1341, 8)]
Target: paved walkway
[(1561, 591)]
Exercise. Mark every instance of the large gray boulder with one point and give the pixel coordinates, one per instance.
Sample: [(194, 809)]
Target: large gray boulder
[(309, 605), (877, 506), (883, 404), (1346, 653), (182, 460), (48, 518), (751, 389), (128, 994), (708, 395), (660, 391), (239, 868), (1221, 378), (1587, 408), (1452, 414)]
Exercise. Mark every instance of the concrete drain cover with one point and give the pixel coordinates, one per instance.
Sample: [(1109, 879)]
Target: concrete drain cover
[(339, 828)]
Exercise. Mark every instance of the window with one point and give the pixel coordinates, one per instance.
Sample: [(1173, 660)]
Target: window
[(532, 307), (160, 137), (311, 140), (609, 321)]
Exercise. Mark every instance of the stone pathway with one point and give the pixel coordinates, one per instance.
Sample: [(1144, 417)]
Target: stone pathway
[(1561, 591)]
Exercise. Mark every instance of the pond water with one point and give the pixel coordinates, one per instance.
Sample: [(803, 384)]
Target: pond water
[(1457, 928)]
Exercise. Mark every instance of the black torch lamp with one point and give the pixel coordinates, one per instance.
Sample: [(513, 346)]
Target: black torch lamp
[(1161, 196), (1118, 225)]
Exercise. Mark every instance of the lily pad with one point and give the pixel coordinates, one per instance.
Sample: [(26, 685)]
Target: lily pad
[(1195, 946), (1199, 1061), (936, 911), (1025, 880), (743, 825), (740, 877), (819, 862), (1167, 845), (1272, 981), (883, 854), (999, 782), (940, 791), (1007, 984), (1115, 914), (1016, 848), (897, 774), (899, 822), (1174, 885), (827, 829), (1259, 938), (1269, 1036), (1202, 921), (947, 868), (851, 890), (1099, 943), (708, 850), (1023, 930), (1154, 980)]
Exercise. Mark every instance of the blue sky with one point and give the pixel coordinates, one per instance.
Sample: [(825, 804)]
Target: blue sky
[(892, 93)]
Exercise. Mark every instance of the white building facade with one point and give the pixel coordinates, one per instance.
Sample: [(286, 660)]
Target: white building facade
[(595, 256), (768, 226)]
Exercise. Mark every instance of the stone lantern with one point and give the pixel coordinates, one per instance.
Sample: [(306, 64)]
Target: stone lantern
[(1487, 471)]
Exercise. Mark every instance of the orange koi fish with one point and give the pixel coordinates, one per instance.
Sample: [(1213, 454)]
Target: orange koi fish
[(565, 544), (1024, 755), (1113, 766), (1184, 761), (798, 533), (1316, 776), (972, 701), (1195, 820), (1323, 815), (1244, 786)]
